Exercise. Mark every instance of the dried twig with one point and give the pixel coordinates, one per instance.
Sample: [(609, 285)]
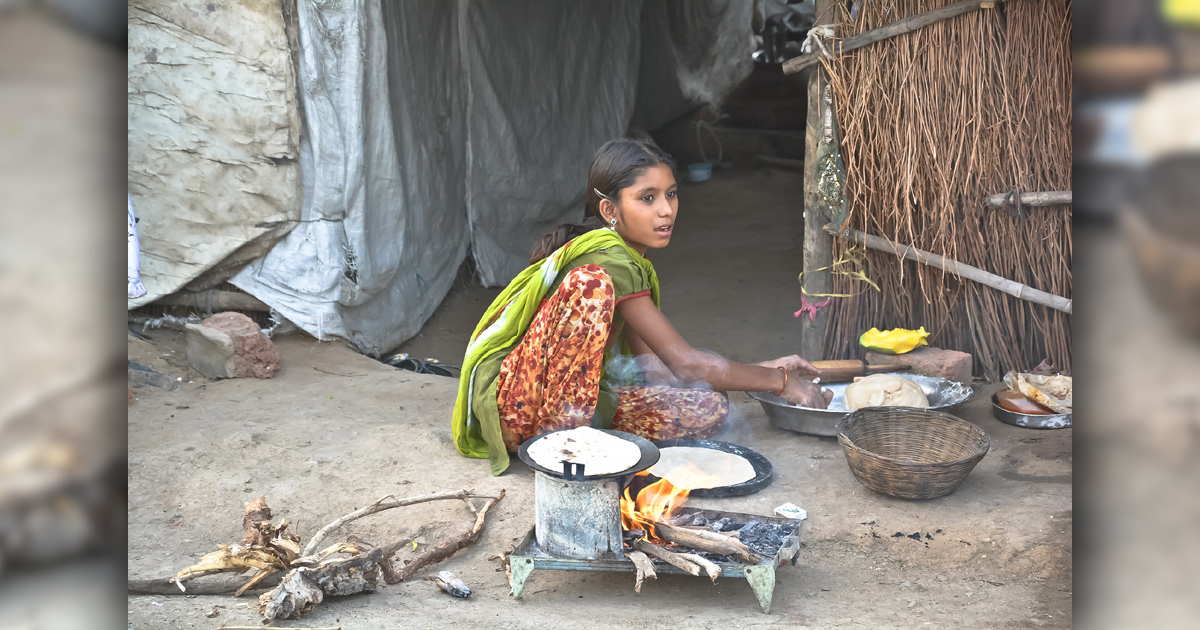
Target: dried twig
[(386, 503), (506, 562), (931, 123), (442, 551), (906, 25)]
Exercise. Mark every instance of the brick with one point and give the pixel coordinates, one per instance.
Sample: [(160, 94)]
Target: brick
[(927, 361), (231, 345)]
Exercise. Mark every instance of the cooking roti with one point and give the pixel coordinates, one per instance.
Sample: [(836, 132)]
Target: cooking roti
[(599, 452), (719, 467)]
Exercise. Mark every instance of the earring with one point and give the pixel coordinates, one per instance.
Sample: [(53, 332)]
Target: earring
[(613, 222)]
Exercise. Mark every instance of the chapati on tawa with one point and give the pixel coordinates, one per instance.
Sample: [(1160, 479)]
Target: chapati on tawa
[(719, 467), (599, 452)]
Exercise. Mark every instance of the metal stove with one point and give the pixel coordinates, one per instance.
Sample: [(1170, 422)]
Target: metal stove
[(529, 556), (578, 526)]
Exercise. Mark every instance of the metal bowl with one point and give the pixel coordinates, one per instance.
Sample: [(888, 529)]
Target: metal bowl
[(1030, 420), (942, 393)]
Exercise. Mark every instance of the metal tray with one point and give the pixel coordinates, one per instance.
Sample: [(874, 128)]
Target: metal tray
[(1030, 420), (942, 393)]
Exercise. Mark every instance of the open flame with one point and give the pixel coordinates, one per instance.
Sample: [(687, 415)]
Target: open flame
[(657, 502)]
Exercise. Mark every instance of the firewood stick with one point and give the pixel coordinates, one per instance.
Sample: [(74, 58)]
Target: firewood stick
[(710, 567), (711, 542), (667, 556), (645, 568), (442, 551), (386, 503), (735, 534)]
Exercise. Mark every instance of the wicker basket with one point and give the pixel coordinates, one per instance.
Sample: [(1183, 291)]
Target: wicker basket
[(910, 453)]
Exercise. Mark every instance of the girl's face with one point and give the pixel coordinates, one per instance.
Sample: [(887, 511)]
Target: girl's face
[(646, 214)]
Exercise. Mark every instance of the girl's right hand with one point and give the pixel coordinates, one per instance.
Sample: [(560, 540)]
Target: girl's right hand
[(803, 392)]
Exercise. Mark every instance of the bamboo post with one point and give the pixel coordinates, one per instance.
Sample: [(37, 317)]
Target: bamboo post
[(1052, 198), (818, 246), (962, 270), (907, 25)]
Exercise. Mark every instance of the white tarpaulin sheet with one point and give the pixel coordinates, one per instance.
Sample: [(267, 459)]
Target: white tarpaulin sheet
[(436, 129), (213, 136), (384, 222)]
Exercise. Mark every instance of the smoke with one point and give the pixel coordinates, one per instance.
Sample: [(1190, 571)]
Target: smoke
[(649, 371)]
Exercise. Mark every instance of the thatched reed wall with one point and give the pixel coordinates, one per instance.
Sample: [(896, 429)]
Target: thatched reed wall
[(932, 122)]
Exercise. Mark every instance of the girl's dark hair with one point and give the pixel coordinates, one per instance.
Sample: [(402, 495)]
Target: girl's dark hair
[(615, 167)]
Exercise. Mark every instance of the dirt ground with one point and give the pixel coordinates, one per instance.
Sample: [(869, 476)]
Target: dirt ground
[(336, 430)]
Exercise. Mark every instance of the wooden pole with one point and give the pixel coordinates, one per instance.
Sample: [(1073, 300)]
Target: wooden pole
[(962, 270), (907, 25), (1053, 198), (818, 246)]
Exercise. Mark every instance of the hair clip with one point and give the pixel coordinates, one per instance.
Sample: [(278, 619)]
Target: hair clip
[(602, 195)]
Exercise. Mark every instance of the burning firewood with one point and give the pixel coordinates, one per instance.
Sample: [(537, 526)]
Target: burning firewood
[(710, 541), (645, 568), (711, 568), (669, 557)]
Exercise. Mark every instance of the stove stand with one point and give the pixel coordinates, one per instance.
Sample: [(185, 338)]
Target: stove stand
[(528, 556)]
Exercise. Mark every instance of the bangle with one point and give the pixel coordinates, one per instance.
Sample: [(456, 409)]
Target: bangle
[(785, 377)]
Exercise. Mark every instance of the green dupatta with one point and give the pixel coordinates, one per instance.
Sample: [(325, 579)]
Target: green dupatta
[(505, 321)]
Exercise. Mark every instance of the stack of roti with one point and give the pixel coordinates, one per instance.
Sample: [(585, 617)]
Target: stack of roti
[(599, 452)]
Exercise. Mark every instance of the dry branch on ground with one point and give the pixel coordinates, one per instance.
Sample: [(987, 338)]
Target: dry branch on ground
[(269, 550)]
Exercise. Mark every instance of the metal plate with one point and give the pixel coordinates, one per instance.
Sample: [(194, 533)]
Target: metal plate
[(942, 393), (648, 449), (1030, 420), (763, 470)]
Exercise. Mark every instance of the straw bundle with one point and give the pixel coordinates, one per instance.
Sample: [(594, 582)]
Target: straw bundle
[(932, 122)]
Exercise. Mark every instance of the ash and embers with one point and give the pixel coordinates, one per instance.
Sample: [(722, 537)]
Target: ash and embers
[(763, 538)]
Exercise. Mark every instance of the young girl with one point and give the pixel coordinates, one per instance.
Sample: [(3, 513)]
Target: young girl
[(577, 338)]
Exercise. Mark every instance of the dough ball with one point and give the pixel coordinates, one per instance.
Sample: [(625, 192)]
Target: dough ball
[(884, 390)]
